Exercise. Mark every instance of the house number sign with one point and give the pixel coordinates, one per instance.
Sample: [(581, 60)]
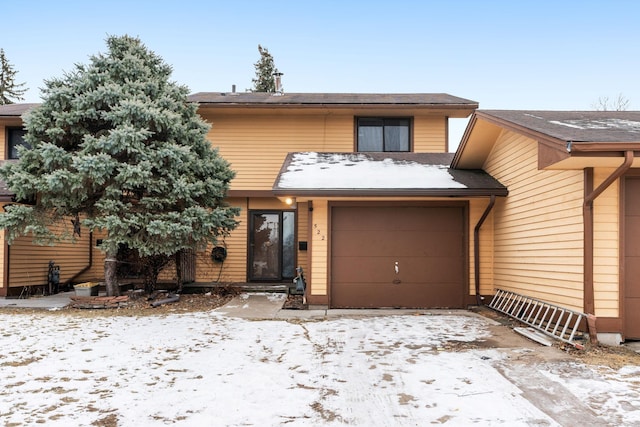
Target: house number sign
[(318, 232)]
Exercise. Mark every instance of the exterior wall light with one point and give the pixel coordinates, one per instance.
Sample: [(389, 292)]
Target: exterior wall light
[(291, 201)]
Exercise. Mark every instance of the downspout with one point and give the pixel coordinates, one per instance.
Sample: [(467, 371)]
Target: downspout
[(587, 213), (84, 269), (476, 247)]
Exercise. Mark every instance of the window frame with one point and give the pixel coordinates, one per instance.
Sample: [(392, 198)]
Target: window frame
[(10, 147), (384, 119)]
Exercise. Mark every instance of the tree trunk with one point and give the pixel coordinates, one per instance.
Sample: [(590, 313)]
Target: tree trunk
[(179, 258), (110, 274)]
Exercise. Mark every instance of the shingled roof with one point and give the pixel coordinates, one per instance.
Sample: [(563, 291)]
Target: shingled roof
[(574, 126), (423, 100), (566, 139), (15, 110), (380, 174)]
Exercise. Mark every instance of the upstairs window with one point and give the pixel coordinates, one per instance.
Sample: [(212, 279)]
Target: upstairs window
[(15, 138), (383, 134)]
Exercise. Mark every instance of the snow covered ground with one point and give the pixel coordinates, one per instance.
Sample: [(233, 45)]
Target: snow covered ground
[(207, 369)]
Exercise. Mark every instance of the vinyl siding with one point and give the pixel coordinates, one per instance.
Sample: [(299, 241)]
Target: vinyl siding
[(606, 266), (429, 134), (319, 241), (29, 263), (538, 236), (96, 272), (302, 235), (256, 144), (234, 268)]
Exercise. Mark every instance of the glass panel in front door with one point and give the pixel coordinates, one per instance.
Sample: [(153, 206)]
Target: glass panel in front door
[(288, 245), (272, 253), (265, 248)]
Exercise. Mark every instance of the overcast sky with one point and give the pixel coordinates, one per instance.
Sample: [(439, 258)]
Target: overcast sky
[(541, 54)]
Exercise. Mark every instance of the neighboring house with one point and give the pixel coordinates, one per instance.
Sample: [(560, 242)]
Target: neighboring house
[(355, 189), (568, 233), (24, 267)]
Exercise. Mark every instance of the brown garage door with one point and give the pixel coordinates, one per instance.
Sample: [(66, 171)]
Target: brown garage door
[(411, 257)]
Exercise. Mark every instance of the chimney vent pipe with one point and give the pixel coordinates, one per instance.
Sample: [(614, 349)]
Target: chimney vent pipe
[(278, 83)]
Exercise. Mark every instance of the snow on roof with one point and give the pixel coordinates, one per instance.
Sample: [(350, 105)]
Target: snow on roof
[(361, 171), (575, 126), (603, 124)]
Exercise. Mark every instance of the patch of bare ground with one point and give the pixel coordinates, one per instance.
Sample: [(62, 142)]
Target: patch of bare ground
[(614, 357), (140, 304), (143, 304), (327, 415), (110, 420)]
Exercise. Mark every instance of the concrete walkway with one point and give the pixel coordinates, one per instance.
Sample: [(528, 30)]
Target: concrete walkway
[(253, 306), (264, 306), (49, 302)]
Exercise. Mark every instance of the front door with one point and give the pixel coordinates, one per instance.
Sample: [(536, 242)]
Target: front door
[(271, 245)]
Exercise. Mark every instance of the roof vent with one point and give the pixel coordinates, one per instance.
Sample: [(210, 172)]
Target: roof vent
[(278, 80)]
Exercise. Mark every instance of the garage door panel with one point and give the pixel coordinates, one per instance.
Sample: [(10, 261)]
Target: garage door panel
[(396, 219), (410, 269), (408, 295), (350, 242), (361, 269), (401, 243), (435, 269), (436, 243), (428, 243)]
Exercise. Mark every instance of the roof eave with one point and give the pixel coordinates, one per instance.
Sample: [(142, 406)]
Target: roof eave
[(602, 147), (436, 107), (377, 192), (509, 125)]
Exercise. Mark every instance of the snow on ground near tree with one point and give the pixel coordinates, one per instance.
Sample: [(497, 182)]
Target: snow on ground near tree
[(205, 369)]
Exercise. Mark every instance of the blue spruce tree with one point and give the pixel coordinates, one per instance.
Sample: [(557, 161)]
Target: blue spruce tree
[(116, 146)]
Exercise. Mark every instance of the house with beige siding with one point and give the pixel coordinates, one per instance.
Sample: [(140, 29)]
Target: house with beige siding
[(360, 191), (24, 266), (568, 232), (353, 188), (356, 189)]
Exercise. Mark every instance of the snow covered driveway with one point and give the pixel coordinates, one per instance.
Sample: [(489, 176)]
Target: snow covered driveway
[(205, 369)]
